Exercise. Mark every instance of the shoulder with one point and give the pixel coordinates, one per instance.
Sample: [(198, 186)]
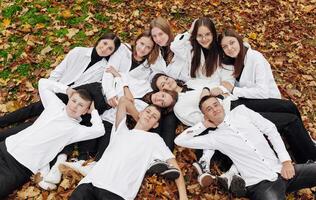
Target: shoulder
[(81, 50)]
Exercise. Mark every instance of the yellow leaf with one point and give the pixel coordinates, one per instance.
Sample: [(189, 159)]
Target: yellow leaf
[(46, 50), (252, 35), (215, 2), (66, 14), (274, 45), (308, 8), (26, 28), (65, 184), (6, 22), (72, 32), (39, 25), (136, 13)]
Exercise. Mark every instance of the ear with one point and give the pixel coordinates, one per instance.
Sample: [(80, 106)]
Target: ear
[(156, 125)]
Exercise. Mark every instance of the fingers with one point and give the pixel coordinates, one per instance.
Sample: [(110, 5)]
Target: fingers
[(113, 102)]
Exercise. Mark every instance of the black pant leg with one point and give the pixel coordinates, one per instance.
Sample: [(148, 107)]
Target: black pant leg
[(20, 115), (83, 192), (104, 141), (293, 131), (167, 129), (14, 130)]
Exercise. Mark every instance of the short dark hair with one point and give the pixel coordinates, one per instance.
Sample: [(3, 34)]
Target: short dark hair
[(110, 36), (205, 98), (84, 94)]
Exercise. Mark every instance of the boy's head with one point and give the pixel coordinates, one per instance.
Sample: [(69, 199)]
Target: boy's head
[(78, 104), (149, 117), (212, 109)]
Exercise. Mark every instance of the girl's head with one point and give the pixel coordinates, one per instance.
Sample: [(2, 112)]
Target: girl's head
[(107, 44), (143, 45), (231, 44), (204, 36), (164, 99), (204, 32), (161, 32), (162, 82)]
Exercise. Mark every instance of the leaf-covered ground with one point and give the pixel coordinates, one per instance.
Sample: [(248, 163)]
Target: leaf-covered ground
[(35, 35)]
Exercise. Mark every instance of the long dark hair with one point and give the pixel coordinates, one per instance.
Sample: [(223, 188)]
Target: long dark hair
[(211, 61), (110, 36), (163, 25), (154, 80), (147, 98), (238, 62)]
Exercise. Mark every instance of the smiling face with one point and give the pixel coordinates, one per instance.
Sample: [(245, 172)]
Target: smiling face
[(105, 47), (166, 83), (230, 46), (161, 38), (144, 45), (161, 99), (213, 110), (149, 117), (204, 37), (77, 106)]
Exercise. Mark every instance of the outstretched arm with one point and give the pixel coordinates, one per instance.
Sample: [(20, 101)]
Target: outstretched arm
[(179, 181)]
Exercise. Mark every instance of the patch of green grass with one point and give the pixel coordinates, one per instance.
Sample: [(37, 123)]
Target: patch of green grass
[(76, 20), (123, 35), (80, 36), (46, 64), (10, 11), (34, 17), (52, 10), (116, 1), (4, 74), (42, 3), (15, 38), (4, 54), (24, 69), (58, 50), (61, 32), (101, 17)]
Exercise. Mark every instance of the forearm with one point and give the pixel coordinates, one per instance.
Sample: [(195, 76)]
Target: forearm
[(179, 181)]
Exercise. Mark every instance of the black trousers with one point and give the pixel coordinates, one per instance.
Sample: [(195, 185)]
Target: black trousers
[(305, 177), (167, 129), (285, 115), (87, 191), (35, 109), (12, 173)]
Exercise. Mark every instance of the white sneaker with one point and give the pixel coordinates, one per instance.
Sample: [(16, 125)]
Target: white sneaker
[(78, 166), (54, 175), (47, 186)]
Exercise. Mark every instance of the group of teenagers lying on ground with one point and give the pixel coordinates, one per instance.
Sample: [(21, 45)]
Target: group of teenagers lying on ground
[(121, 104)]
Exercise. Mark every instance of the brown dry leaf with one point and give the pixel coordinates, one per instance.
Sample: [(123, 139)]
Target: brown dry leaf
[(65, 184), (29, 192), (72, 32)]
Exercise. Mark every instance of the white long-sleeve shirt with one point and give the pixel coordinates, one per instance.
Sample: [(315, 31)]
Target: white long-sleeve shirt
[(240, 137), (125, 161), (72, 68), (37, 145), (122, 61), (256, 80), (181, 46)]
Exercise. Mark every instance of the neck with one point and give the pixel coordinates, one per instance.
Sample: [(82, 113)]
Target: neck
[(139, 126), (179, 89), (136, 57)]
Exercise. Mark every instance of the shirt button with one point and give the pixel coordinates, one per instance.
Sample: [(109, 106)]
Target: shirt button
[(255, 150)]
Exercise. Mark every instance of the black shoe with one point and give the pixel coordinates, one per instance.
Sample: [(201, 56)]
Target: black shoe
[(157, 167), (171, 173), (238, 186), (223, 182)]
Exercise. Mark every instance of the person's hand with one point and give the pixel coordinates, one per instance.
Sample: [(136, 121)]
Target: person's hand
[(192, 26), (208, 124), (216, 91), (69, 92), (92, 107), (287, 171), (113, 102), (113, 71), (205, 92), (228, 86)]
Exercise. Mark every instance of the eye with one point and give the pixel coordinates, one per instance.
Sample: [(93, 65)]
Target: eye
[(111, 48)]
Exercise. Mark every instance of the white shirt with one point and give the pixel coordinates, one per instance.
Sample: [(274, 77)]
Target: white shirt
[(181, 46), (72, 68), (122, 61), (125, 161), (256, 81), (240, 137), (35, 146), (176, 69), (192, 114)]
